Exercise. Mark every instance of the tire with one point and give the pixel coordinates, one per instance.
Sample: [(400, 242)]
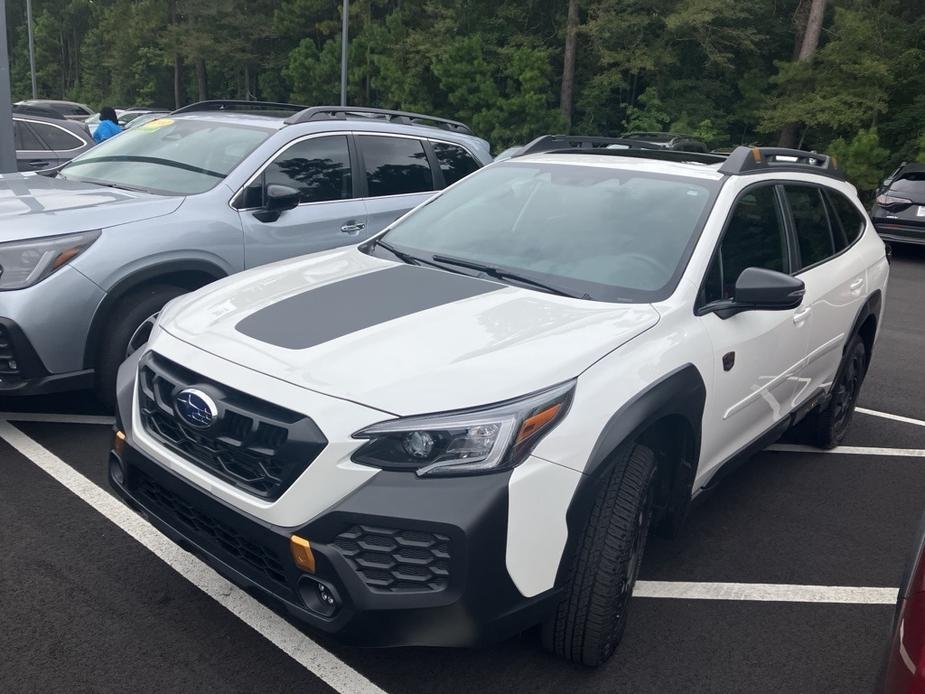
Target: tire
[(588, 623), (827, 428), (128, 318)]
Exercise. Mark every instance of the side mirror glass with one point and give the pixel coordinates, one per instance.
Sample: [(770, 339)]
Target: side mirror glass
[(759, 289), (279, 198)]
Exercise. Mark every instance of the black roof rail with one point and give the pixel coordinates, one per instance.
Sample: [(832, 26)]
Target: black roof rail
[(41, 111), (404, 117), (238, 105), (553, 143), (749, 160)]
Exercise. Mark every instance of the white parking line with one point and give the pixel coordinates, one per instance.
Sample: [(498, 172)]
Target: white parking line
[(765, 592), (321, 663), (849, 450), (887, 415), (57, 418)]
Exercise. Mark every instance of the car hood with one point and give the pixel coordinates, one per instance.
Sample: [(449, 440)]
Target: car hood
[(403, 339), (33, 205)]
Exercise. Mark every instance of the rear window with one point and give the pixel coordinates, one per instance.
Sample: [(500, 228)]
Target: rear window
[(395, 165), (455, 162), (26, 138), (910, 184), (812, 224), (848, 224), (57, 138)]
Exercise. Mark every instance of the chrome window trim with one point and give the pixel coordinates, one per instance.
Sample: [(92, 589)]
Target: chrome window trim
[(83, 142)]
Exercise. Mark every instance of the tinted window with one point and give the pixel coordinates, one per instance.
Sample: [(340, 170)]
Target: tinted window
[(912, 184), (848, 220), (319, 168), (26, 138), (455, 162), (754, 237), (608, 234), (395, 165), (56, 138), (812, 224)]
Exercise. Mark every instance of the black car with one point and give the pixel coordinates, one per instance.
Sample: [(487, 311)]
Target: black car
[(899, 211), (71, 110), (46, 143), (675, 141)]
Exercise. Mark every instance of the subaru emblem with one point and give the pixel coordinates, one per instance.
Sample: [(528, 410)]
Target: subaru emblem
[(195, 408)]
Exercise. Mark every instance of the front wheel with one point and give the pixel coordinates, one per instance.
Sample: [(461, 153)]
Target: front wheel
[(128, 329), (588, 624)]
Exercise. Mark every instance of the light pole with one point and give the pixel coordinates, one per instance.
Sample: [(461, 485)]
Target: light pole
[(7, 148), (343, 53), (35, 94)]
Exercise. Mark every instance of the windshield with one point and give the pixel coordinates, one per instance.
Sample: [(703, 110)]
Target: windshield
[(595, 232), (166, 156)]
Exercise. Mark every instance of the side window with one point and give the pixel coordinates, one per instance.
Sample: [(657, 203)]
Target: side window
[(455, 162), (56, 138), (847, 218), (395, 165), (754, 237), (812, 223), (319, 168), (25, 137)]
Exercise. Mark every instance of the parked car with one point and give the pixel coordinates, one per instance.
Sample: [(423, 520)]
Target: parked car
[(902, 673), (71, 110), (684, 143), (128, 115), (468, 424), (43, 144), (899, 209), (90, 255), (142, 118)]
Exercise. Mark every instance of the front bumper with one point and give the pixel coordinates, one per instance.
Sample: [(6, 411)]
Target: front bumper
[(409, 561), (22, 371)]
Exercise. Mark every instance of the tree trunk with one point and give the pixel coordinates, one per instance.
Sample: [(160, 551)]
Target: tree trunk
[(568, 64), (201, 79), (808, 46)]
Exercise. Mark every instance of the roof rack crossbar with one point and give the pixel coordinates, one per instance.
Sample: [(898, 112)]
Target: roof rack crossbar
[(746, 160), (559, 143), (238, 105), (405, 117)]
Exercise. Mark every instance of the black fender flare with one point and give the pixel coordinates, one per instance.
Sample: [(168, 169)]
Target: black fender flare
[(871, 307), (145, 275), (681, 393)]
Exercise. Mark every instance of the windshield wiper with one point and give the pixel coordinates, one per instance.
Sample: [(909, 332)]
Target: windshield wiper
[(408, 258), (501, 274)]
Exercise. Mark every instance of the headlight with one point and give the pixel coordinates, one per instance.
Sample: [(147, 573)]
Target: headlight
[(467, 441), (23, 263)]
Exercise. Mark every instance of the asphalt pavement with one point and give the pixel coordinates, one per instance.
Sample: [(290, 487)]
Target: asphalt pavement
[(89, 602)]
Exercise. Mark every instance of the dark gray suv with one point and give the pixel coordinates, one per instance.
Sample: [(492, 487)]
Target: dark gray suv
[(91, 255)]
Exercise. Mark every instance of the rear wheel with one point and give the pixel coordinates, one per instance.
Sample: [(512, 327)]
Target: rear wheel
[(588, 624), (128, 329), (827, 428)]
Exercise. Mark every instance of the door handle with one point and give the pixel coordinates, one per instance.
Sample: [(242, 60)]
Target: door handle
[(857, 284), (352, 227), (802, 314), (39, 164)]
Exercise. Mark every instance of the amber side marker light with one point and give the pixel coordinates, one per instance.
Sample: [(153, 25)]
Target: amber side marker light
[(536, 422), (118, 443), (302, 553)]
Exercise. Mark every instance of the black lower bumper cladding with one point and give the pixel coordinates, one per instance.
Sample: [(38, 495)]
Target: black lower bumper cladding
[(407, 561)]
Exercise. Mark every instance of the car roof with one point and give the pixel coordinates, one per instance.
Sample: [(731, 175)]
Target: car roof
[(60, 122), (913, 167), (674, 168)]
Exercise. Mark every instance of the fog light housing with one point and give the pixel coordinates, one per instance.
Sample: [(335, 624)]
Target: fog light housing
[(318, 597), (116, 469)]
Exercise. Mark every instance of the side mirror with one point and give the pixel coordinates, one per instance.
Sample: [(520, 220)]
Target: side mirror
[(759, 289), (279, 198)]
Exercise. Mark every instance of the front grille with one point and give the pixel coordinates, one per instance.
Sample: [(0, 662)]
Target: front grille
[(9, 365), (255, 445), (205, 530), (390, 560)]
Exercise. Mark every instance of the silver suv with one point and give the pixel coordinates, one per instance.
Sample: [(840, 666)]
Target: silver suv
[(89, 256)]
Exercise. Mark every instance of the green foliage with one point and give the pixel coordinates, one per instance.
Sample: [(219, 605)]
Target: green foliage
[(717, 69)]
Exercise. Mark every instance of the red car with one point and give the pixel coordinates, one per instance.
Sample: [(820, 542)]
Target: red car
[(905, 666)]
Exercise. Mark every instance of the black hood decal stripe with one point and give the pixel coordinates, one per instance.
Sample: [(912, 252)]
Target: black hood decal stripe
[(356, 303)]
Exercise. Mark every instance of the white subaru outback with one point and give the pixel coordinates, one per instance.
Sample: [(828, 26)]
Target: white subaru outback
[(469, 424)]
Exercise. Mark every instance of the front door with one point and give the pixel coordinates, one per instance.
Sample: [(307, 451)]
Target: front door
[(758, 354), (328, 214)]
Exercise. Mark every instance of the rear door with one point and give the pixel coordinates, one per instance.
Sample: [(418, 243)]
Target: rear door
[(400, 173), (61, 144), (834, 275), (323, 168)]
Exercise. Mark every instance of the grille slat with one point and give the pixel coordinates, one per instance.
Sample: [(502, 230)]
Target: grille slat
[(255, 445), (390, 560)]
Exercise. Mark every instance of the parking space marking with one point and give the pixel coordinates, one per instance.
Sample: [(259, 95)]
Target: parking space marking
[(57, 418), (887, 415), (849, 450), (766, 592), (320, 662)]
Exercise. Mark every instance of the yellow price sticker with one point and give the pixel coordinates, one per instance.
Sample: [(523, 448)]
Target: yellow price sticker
[(156, 124)]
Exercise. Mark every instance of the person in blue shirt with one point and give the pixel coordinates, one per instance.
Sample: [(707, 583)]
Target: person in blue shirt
[(109, 124)]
